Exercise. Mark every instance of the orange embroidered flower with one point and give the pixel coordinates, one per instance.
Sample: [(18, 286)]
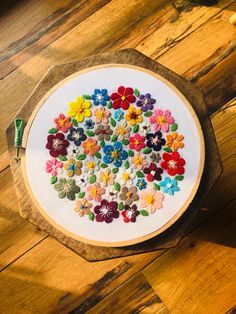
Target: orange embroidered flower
[(95, 192), (90, 146), (63, 123), (174, 141), (83, 207)]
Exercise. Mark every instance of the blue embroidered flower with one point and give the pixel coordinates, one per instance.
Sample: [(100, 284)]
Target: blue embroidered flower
[(119, 114), (141, 184), (100, 97), (169, 186), (114, 154), (89, 124)]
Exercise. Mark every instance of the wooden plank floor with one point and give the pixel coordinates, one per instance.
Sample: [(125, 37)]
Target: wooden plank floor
[(40, 275)]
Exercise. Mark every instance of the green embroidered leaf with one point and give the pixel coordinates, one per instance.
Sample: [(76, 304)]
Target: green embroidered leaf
[(156, 186), (147, 150), (179, 178), (120, 206), (139, 174), (91, 216), (81, 157), (103, 165), (74, 122), (148, 114), (62, 157), (126, 164), (125, 141), (117, 187), (97, 154), (53, 131), (112, 122), (174, 127), (114, 138), (143, 212), (109, 104), (130, 153), (53, 180), (89, 133), (167, 149), (136, 92), (86, 97), (102, 143), (135, 128), (92, 179), (115, 170), (81, 194)]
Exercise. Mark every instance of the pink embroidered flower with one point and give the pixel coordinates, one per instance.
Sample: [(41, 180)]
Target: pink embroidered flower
[(161, 120), (52, 165), (151, 200), (63, 123), (95, 192), (101, 115), (57, 144), (139, 161), (136, 142), (106, 211), (90, 146)]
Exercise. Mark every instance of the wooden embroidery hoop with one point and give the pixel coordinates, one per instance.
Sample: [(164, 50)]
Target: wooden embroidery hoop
[(57, 76)]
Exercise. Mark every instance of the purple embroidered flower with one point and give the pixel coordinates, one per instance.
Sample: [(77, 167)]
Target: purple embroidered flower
[(146, 102), (106, 211)]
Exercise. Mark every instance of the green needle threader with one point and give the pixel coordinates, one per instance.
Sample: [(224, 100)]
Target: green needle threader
[(19, 128)]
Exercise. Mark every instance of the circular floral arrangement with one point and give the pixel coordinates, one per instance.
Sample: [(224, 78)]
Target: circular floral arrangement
[(116, 155)]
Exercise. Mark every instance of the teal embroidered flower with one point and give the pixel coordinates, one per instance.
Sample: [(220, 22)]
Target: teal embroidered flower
[(141, 184), (114, 154), (169, 186), (119, 114), (66, 188)]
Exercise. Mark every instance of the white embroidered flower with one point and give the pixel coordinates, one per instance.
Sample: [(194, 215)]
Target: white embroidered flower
[(110, 193), (144, 127), (91, 165), (126, 176), (72, 151), (83, 180)]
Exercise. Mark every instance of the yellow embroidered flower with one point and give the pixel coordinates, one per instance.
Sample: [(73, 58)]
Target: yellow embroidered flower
[(107, 177), (80, 109), (73, 167), (134, 115), (173, 141)]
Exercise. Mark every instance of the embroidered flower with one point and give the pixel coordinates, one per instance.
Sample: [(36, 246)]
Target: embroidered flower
[(136, 142), (76, 136), (83, 180), (80, 109), (83, 207), (73, 167), (153, 172), (90, 146), (126, 176), (155, 157), (141, 184), (104, 132), (145, 102), (107, 177), (106, 211), (161, 120), (101, 115), (139, 161), (155, 140), (63, 123), (151, 200), (89, 124), (114, 154), (119, 114), (173, 141), (91, 165), (100, 97), (95, 192), (169, 186), (134, 115), (52, 166), (129, 195), (111, 193), (173, 163), (66, 188), (130, 213), (144, 128), (122, 131), (57, 144), (72, 151), (123, 98)]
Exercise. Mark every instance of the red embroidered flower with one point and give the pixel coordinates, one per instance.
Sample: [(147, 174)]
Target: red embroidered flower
[(153, 172), (63, 123), (57, 144), (123, 98), (130, 213), (136, 142), (106, 211), (173, 163)]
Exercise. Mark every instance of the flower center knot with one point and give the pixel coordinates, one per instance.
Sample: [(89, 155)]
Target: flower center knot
[(172, 164), (56, 143), (122, 97), (150, 199), (115, 154), (161, 120)]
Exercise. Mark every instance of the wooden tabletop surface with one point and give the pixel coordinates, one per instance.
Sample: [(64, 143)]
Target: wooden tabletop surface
[(40, 275)]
